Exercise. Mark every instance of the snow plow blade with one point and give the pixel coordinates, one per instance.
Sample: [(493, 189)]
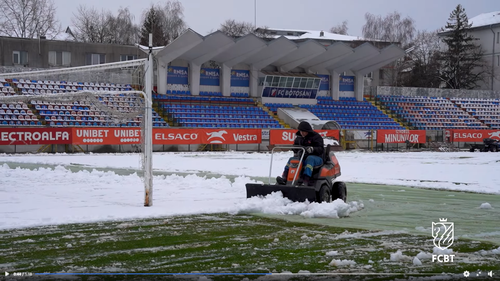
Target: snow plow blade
[(294, 193)]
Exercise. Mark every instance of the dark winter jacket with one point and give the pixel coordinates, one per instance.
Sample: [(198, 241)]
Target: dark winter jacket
[(312, 139)]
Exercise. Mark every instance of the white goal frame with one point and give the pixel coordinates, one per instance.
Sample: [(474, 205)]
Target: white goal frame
[(146, 132)]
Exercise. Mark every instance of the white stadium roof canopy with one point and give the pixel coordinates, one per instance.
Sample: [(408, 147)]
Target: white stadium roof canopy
[(284, 53)]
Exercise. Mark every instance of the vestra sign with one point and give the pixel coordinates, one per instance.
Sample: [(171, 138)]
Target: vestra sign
[(207, 136)]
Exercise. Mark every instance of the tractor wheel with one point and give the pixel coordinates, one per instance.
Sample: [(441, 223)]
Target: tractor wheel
[(324, 194), (472, 149), (339, 191), (493, 148)]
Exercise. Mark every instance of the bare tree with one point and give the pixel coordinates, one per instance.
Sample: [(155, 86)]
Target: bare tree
[(28, 18), (173, 20), (340, 29), (153, 23), (425, 45), (92, 25), (423, 58), (392, 28), (165, 23), (263, 32), (103, 27), (123, 29), (235, 29)]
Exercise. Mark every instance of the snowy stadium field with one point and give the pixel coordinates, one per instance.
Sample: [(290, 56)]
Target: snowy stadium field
[(390, 195)]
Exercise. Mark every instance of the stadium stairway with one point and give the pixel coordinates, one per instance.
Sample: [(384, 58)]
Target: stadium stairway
[(272, 114), (400, 120), (457, 102), (163, 114)]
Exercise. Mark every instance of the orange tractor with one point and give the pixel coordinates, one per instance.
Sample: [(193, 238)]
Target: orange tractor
[(325, 188)]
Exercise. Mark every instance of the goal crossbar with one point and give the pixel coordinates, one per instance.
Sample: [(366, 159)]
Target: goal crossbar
[(97, 67)]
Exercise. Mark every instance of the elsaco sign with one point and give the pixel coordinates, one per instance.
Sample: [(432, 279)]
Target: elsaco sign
[(207, 136), (466, 135)]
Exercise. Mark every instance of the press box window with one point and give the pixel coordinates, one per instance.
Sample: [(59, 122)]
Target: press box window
[(92, 59), (20, 57), (127, 57), (59, 58)]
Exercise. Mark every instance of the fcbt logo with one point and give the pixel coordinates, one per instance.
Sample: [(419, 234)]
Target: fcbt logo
[(443, 234)]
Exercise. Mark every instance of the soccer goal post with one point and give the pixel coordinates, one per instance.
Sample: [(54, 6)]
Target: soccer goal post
[(111, 95)]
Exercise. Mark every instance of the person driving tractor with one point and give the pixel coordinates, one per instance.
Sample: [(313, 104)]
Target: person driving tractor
[(314, 149)]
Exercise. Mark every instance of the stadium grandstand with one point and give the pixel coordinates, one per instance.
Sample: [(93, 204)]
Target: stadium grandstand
[(216, 81)]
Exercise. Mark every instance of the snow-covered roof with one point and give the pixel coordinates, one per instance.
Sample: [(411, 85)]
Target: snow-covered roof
[(485, 19), (315, 34), (66, 35)]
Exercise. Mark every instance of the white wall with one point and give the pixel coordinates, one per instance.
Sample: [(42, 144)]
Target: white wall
[(492, 55)]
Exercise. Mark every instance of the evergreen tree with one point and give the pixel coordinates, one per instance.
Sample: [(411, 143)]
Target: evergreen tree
[(462, 63), (153, 23)]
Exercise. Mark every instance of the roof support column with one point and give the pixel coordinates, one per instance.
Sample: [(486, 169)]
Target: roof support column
[(225, 85), (254, 82), (194, 78), (334, 85), (161, 78), (359, 86)]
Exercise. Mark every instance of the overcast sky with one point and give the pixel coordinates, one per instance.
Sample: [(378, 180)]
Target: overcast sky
[(204, 16)]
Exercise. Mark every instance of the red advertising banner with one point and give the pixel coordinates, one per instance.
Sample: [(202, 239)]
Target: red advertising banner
[(207, 136), (467, 135), (29, 136), (106, 135), (288, 136), (400, 136), (166, 136)]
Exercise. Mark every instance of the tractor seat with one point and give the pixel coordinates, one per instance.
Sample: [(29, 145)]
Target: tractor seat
[(326, 160)]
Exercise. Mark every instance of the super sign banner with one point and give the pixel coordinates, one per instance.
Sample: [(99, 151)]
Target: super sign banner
[(271, 92), (288, 136), (240, 78), (346, 83), (210, 76), (177, 75)]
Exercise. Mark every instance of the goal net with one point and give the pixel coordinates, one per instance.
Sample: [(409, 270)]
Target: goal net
[(105, 95)]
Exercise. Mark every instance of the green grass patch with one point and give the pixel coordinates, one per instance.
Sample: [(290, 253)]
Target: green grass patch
[(223, 243)]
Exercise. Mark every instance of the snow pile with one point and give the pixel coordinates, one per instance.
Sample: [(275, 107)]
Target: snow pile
[(332, 253), (485, 206), (439, 251), (338, 263), (48, 196), (276, 204), (399, 256), (424, 256), (490, 252)]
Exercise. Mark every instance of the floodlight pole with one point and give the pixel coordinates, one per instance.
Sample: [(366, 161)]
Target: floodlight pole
[(148, 128), (255, 14)]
